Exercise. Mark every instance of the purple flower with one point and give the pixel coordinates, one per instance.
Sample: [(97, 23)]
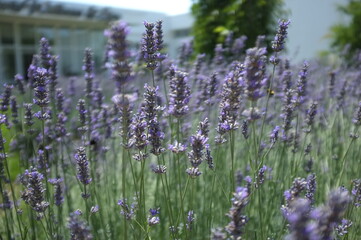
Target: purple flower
[(5, 97), (203, 128), (190, 220), (97, 97), (254, 73), (28, 116), (88, 68), (311, 113), (71, 86), (302, 84), (218, 58), (274, 134), (94, 209), (7, 204), (356, 192), (19, 82), (287, 113), (33, 194), (78, 228), (150, 107), (45, 55), (230, 102), (330, 215), (35, 63), (117, 51), (193, 172), (357, 116), (14, 110), (159, 35), (42, 160), (311, 188), (83, 166), (198, 64), (127, 211), (260, 176), (198, 144), (239, 201), (41, 79), (179, 95), (155, 137), (238, 45), (150, 46), (186, 51), (299, 221), (159, 169), (279, 40), (331, 85), (209, 159), (153, 219), (298, 186), (53, 76), (245, 129), (60, 128), (58, 190), (138, 131), (343, 228), (154, 211), (177, 147), (59, 95), (82, 113)]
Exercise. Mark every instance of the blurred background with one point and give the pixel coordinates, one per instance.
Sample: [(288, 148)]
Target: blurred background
[(70, 26)]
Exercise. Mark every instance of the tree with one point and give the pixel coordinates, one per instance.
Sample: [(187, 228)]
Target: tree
[(348, 34), (215, 19)]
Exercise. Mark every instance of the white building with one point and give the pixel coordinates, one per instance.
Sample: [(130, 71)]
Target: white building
[(71, 27)]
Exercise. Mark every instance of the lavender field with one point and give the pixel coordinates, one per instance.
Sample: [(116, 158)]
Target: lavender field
[(243, 145)]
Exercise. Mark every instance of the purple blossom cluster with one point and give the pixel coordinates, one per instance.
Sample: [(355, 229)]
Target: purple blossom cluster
[(297, 135)]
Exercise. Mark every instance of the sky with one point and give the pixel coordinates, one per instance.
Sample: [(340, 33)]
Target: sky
[(170, 7)]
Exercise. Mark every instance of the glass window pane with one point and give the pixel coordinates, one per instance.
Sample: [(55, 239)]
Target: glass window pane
[(27, 35), (7, 33), (64, 37), (9, 63)]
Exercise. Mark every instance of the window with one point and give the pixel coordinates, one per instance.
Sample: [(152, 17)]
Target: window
[(182, 33)]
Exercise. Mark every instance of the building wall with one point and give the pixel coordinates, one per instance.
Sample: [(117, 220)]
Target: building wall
[(21, 31), (310, 25)]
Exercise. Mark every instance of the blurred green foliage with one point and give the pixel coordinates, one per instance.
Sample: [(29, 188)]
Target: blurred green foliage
[(348, 34), (214, 19)]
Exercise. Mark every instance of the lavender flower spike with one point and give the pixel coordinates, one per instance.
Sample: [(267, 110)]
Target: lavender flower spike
[(41, 79), (118, 53), (239, 201), (153, 219), (179, 95), (279, 40), (152, 44), (88, 68), (356, 192), (45, 53), (83, 166), (5, 98), (58, 190), (34, 192), (19, 83), (298, 218), (190, 220), (78, 228), (330, 215)]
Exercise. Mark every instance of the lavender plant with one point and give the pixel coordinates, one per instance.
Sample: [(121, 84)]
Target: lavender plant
[(158, 146)]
